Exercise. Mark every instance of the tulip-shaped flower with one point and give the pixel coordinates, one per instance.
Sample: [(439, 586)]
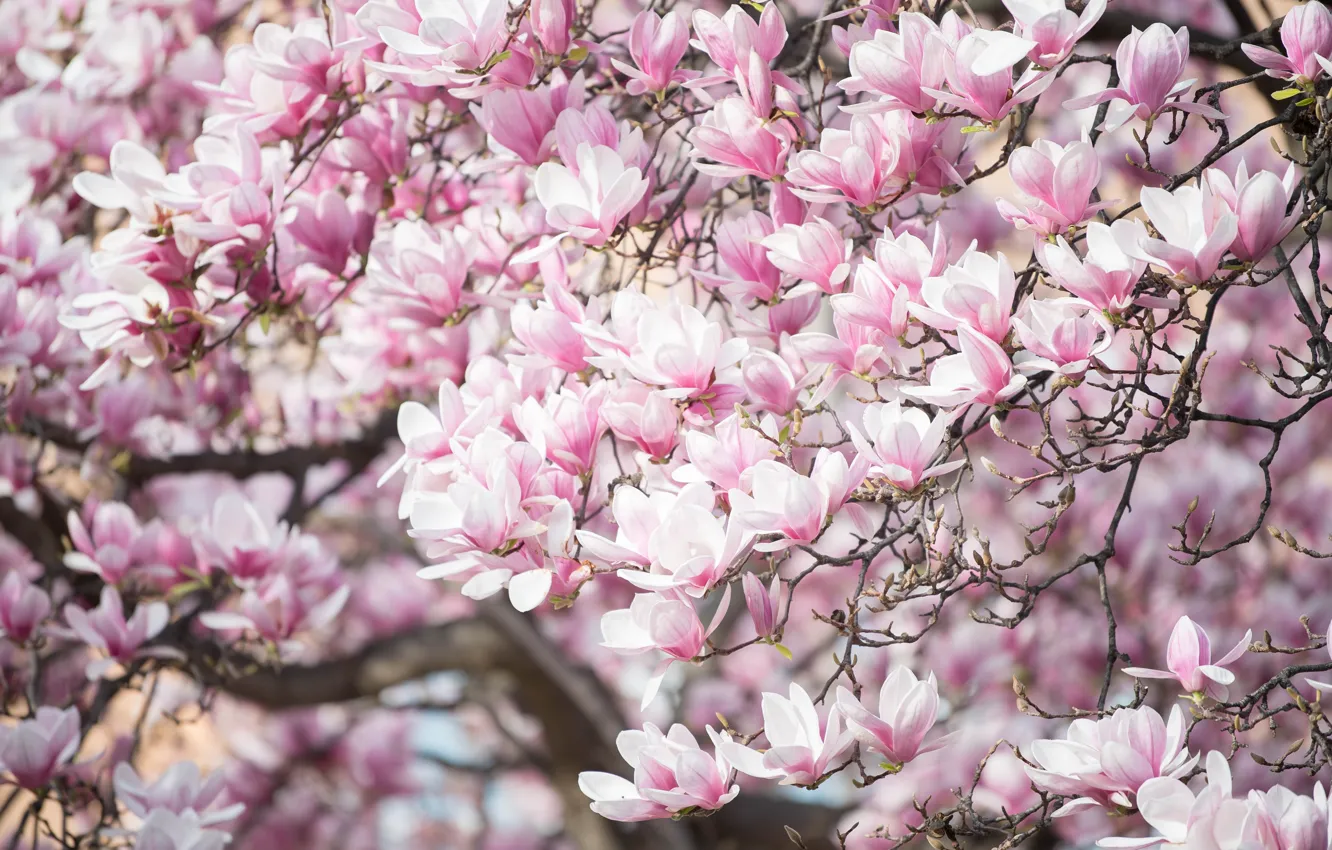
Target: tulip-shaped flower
[(989, 96), (472, 517), (739, 142), (1189, 661), (977, 290), (680, 350), (35, 750), (106, 549), (771, 384), (656, 45), (1104, 762), (1050, 28), (1058, 182), (726, 458), (1306, 33), (735, 35), (645, 417), (1259, 202), (672, 774), (801, 749), (908, 708), (1061, 335), (1280, 818), (23, 607), (692, 550), (105, 628), (180, 789), (740, 248), (567, 428), (1106, 277), (550, 24), (1210, 819), (764, 603), (1196, 231), (590, 204), (860, 165), (663, 621), (242, 541), (816, 252), (981, 373), (901, 67), (1150, 63), (784, 503), (428, 436), (164, 829), (904, 443), (637, 518)]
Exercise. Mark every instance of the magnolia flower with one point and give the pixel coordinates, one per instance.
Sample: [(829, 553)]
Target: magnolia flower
[(428, 437), (770, 382), (645, 417), (471, 516), (692, 550), (1149, 64), (680, 350), (105, 628), (1189, 660), (904, 443), (440, 42), (590, 204), (1104, 762), (23, 607), (164, 829), (244, 543), (816, 252), (663, 621), (1049, 29), (1107, 276), (1306, 33), (726, 458), (736, 34), (739, 142), (656, 45), (903, 68), (908, 708), (1058, 181), (1195, 234), (35, 750), (764, 603), (991, 95), (784, 502), (1259, 203), (180, 789), (1061, 335), (981, 373), (862, 165), (750, 274), (671, 775), (637, 518), (977, 290), (801, 749), (566, 427), (1210, 820)]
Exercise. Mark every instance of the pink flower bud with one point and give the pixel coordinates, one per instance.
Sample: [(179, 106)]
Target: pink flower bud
[(762, 602), (23, 607)]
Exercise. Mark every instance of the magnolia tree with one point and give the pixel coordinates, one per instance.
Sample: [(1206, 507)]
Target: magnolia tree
[(599, 425)]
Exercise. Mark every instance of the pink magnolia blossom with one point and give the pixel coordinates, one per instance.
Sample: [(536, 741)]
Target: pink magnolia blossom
[(1306, 33), (242, 541), (36, 750), (1061, 335), (179, 789), (784, 503), (739, 142), (1210, 819), (566, 427), (724, 459), (750, 274), (1106, 277), (1189, 661), (692, 550), (551, 20), (279, 608), (107, 549), (647, 418), (903, 68), (438, 40), (666, 622), (855, 350), (23, 607), (637, 518), (900, 444), (1150, 63), (1259, 202), (589, 205), (815, 252), (671, 774), (801, 747), (735, 35), (770, 382), (764, 603), (981, 373), (680, 350), (1058, 181), (1196, 231), (988, 96), (164, 829), (1104, 762), (1052, 29), (471, 516), (428, 437), (908, 709), (976, 291), (861, 165), (105, 627), (656, 44)]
